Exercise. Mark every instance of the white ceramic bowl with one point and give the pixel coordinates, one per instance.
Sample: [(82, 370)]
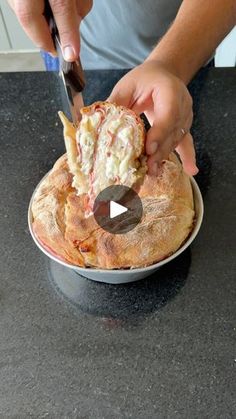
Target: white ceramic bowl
[(121, 276)]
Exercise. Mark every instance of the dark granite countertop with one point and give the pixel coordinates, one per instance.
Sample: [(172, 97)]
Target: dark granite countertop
[(161, 348)]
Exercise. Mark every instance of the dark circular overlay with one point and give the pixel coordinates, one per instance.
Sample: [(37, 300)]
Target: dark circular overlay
[(121, 195)]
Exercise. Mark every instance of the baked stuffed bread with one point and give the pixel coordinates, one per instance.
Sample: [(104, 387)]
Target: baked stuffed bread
[(61, 201)]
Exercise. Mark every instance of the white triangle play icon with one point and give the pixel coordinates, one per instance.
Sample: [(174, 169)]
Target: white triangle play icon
[(116, 209)]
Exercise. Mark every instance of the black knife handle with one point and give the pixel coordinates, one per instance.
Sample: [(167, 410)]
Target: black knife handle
[(50, 19), (73, 71)]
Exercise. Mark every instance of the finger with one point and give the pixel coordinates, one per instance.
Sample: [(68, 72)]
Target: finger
[(185, 149), (179, 132), (154, 163), (164, 127), (166, 116), (30, 16), (157, 135), (187, 154), (188, 123), (67, 20), (162, 153)]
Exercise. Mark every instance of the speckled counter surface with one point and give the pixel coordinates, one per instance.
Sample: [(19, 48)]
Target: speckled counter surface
[(160, 348)]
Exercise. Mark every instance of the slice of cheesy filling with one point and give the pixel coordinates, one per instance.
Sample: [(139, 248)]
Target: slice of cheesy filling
[(109, 149)]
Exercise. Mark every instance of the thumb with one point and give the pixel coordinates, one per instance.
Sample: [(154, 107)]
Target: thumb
[(67, 20), (122, 94)]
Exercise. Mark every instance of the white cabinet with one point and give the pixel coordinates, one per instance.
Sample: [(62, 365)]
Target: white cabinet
[(4, 39), (12, 36), (226, 52)]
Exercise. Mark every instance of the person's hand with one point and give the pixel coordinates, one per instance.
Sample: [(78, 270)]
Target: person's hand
[(68, 15), (166, 102)]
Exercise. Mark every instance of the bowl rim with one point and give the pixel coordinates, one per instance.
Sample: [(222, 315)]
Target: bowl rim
[(197, 197)]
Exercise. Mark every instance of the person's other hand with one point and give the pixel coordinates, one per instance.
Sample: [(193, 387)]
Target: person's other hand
[(68, 15), (166, 102)]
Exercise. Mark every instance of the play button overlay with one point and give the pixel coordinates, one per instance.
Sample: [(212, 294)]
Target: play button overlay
[(117, 209)]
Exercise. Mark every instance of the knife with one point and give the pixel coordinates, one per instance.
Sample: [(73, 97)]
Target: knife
[(71, 73)]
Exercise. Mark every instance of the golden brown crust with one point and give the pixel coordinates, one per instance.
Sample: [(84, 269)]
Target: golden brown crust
[(48, 210), (59, 222)]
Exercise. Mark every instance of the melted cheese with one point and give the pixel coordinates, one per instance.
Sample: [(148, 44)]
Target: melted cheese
[(112, 167), (87, 145), (108, 149), (95, 119)]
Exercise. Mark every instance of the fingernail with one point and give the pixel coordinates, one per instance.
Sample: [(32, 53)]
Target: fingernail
[(153, 148), (69, 53)]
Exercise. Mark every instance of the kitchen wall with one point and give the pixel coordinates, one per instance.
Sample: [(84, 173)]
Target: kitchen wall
[(13, 39), (226, 52), (12, 36)]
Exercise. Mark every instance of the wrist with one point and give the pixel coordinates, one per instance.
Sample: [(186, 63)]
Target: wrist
[(171, 65)]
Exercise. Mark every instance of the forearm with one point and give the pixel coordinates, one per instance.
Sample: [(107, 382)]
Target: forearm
[(199, 27)]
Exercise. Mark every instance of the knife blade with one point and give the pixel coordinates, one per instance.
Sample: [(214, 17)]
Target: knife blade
[(71, 73)]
